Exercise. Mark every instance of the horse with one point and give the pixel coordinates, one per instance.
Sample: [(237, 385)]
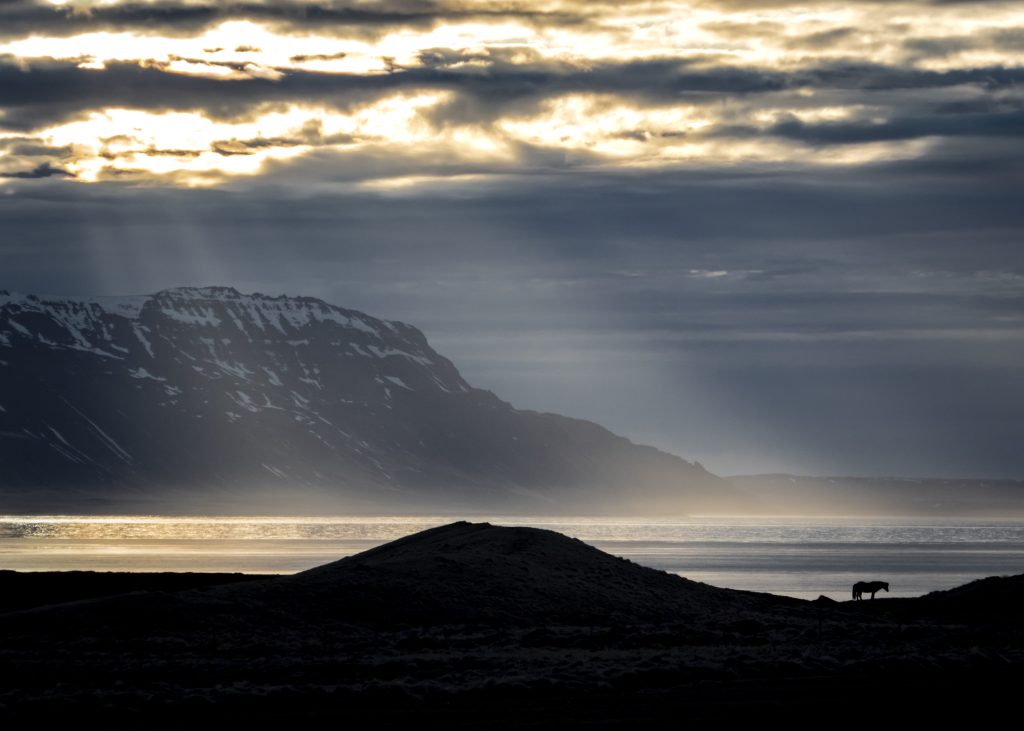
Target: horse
[(871, 586)]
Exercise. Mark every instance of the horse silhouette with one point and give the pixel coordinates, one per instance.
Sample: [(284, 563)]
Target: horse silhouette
[(868, 586)]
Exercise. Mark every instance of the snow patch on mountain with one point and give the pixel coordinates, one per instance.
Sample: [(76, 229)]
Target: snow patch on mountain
[(142, 373)]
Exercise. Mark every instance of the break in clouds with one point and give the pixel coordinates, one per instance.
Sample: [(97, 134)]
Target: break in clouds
[(766, 235)]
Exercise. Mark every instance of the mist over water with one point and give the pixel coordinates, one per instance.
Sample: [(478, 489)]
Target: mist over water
[(795, 556)]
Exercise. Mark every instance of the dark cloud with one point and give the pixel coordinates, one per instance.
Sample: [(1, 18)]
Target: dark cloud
[(304, 58), (312, 135), (31, 147), (879, 77), (43, 170), (918, 48), (1008, 39), (189, 18), (822, 39), (50, 92), (989, 125), (734, 29)]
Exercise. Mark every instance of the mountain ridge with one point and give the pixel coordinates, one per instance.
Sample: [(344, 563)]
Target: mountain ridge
[(229, 399)]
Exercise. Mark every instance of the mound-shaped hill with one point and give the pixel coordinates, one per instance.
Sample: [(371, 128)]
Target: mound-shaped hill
[(478, 572), (462, 573)]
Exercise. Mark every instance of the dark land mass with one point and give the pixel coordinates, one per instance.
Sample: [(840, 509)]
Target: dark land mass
[(204, 400), (24, 590), (478, 626)]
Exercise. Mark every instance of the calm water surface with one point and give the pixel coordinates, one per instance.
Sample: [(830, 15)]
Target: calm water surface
[(801, 557)]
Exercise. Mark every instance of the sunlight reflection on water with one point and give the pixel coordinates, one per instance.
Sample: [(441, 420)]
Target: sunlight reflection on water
[(787, 555)]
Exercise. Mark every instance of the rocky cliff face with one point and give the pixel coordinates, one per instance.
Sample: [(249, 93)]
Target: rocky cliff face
[(209, 399)]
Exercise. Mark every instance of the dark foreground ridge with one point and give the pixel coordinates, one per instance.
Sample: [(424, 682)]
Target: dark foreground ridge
[(474, 625), (462, 573), (38, 588)]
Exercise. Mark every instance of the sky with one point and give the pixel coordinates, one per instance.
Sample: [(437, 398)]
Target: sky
[(773, 236)]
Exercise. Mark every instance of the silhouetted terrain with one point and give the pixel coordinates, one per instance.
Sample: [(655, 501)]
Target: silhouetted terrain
[(472, 625), (36, 588)]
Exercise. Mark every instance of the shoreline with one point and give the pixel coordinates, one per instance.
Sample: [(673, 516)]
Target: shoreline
[(471, 625)]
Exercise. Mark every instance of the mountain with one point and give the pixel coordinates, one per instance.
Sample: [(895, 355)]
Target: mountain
[(203, 399)]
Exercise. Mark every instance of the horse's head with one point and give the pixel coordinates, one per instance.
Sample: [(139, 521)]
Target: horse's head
[(885, 585)]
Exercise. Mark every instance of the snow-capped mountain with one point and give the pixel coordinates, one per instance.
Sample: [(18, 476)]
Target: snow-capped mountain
[(209, 399)]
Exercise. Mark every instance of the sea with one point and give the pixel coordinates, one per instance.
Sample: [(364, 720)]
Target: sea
[(803, 557)]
